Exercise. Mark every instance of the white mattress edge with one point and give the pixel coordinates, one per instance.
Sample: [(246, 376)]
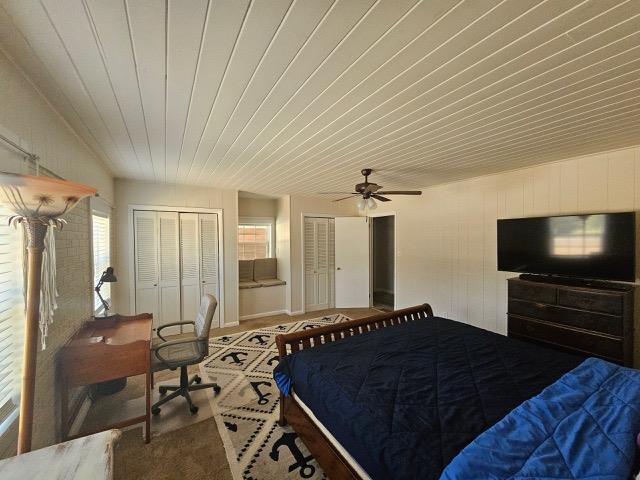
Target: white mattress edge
[(352, 462)]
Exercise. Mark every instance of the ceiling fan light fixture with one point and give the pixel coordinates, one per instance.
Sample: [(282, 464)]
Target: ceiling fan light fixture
[(371, 204), (361, 204)]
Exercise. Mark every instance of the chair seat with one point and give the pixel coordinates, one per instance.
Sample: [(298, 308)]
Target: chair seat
[(175, 356)]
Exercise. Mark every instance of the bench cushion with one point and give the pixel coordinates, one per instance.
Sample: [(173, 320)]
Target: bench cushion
[(265, 268), (245, 270), (249, 285), (272, 282)]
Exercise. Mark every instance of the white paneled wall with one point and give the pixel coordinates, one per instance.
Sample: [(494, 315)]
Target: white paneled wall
[(27, 119), (447, 238)]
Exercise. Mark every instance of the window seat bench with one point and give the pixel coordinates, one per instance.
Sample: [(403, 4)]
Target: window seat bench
[(262, 293)]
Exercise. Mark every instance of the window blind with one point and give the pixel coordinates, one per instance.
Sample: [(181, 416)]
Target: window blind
[(254, 241), (12, 315), (101, 237)]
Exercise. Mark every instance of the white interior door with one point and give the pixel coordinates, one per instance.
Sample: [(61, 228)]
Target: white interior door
[(352, 262), (209, 258), (169, 278), (145, 226), (189, 265)]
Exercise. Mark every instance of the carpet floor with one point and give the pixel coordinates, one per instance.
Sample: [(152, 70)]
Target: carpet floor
[(189, 453)]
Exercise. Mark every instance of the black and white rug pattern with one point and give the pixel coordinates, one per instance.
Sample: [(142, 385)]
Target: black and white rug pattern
[(246, 411)]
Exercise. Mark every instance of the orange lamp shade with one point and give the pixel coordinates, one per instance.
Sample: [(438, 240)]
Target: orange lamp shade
[(31, 196)]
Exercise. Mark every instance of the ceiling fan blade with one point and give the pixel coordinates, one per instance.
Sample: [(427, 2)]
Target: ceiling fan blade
[(337, 193), (344, 198), (401, 192), (378, 197)]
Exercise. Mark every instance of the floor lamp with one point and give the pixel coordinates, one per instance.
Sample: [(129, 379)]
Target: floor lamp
[(37, 203)]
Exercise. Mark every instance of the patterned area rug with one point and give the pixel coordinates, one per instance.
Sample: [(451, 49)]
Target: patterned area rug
[(246, 411)]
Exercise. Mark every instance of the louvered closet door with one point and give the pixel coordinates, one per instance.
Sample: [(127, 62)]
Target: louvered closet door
[(317, 260), (190, 265), (145, 225), (209, 258), (310, 278), (169, 278), (322, 263), (332, 262)]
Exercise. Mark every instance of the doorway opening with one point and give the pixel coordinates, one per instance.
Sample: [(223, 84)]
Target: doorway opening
[(383, 262)]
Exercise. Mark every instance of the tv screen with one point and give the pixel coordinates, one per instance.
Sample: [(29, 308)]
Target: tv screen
[(590, 246)]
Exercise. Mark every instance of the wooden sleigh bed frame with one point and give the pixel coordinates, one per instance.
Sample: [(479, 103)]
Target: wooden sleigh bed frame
[(325, 452)]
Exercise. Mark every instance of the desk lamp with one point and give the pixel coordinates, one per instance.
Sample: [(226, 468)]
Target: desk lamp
[(107, 277)]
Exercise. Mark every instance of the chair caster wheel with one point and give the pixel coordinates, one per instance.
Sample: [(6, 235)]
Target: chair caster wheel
[(155, 411), (162, 390), (197, 379), (193, 409), (216, 389)]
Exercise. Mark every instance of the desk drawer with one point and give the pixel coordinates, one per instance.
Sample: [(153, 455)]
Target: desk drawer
[(587, 342), (595, 302), (567, 316), (533, 292)]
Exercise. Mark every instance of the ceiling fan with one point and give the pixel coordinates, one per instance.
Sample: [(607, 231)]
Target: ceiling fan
[(369, 190)]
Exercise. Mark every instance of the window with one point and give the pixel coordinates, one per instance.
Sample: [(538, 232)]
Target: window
[(255, 238), (101, 256), (12, 315)]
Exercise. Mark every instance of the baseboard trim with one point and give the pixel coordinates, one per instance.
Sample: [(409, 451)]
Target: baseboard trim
[(297, 312), (231, 324), (262, 314)]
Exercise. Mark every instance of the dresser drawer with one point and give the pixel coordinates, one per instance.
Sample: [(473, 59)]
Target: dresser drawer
[(533, 292), (596, 302), (594, 344), (598, 322)]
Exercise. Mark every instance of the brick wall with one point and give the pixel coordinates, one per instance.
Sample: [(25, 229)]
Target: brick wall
[(73, 248)]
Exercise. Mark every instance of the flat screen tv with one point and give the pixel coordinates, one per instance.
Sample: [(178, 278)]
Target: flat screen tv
[(593, 246)]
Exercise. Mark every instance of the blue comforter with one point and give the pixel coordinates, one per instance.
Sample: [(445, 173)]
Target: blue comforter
[(582, 426), (404, 401)]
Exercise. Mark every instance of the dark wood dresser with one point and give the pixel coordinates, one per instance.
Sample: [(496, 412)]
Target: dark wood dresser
[(595, 321)]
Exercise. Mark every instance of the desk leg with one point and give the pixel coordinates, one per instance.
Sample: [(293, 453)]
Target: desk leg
[(64, 407), (147, 437)]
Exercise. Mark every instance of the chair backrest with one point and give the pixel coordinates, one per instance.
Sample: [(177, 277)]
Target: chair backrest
[(203, 320)]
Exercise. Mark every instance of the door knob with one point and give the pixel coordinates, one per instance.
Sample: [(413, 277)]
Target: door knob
[(338, 268), (155, 284)]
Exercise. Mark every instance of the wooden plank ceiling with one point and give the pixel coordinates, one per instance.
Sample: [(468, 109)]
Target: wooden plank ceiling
[(296, 96)]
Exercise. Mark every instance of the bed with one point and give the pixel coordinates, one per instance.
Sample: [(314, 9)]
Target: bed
[(400, 395)]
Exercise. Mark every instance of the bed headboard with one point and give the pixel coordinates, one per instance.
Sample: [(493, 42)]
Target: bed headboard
[(292, 342)]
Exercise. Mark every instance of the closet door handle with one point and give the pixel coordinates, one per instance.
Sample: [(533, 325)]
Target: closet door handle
[(338, 268), (155, 284)]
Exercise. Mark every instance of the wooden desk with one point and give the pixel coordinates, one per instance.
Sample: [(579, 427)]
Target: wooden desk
[(105, 349)]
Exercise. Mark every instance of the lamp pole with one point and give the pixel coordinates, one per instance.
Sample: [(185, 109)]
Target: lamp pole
[(36, 231)]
